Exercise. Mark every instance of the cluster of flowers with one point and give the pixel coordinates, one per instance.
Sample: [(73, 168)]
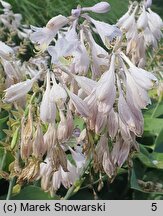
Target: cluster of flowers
[(105, 85)]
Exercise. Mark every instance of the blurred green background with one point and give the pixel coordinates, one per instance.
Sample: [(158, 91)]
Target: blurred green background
[(38, 12)]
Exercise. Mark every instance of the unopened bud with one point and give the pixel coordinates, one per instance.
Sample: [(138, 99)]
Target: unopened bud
[(147, 3), (101, 7)]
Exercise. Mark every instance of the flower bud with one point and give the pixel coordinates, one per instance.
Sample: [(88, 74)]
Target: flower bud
[(101, 7), (6, 5), (147, 3), (57, 22)]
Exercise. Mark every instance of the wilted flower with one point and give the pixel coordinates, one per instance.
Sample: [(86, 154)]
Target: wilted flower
[(62, 129), (50, 137), (39, 148), (26, 136)]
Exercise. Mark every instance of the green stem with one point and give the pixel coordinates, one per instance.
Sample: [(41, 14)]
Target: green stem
[(3, 159), (12, 182), (158, 103), (71, 192), (153, 59), (105, 177)]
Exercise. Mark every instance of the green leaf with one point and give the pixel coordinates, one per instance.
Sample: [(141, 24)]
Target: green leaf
[(7, 160), (133, 181), (158, 158), (3, 123), (145, 160), (159, 142), (153, 125), (146, 180), (79, 122), (155, 110), (33, 193)]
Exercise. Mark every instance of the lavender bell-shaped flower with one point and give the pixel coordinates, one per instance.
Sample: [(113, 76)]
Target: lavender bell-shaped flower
[(43, 36), (47, 107), (106, 90)]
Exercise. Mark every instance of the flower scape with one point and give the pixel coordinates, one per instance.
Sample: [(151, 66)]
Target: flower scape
[(75, 103)]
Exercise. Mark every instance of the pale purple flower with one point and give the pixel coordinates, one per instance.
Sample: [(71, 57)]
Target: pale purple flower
[(80, 105), (6, 5), (62, 48), (85, 83), (57, 93), (106, 31), (129, 22), (108, 166), (142, 21), (106, 90), (147, 3), (43, 36), (101, 7), (5, 50), (81, 60), (47, 107), (99, 57), (120, 151), (113, 123), (18, 90), (101, 121)]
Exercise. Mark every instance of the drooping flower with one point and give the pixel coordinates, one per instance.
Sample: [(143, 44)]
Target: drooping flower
[(47, 107), (5, 50), (80, 105), (6, 5), (106, 90), (106, 31), (57, 93), (26, 136), (85, 83), (43, 36), (99, 57), (81, 60), (62, 48), (18, 90), (142, 21), (39, 148), (129, 22)]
